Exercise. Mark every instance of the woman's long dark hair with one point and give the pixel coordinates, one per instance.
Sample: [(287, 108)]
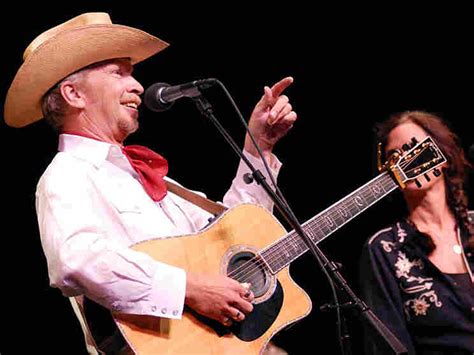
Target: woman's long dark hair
[(457, 169)]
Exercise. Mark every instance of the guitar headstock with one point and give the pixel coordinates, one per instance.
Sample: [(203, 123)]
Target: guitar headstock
[(417, 161)]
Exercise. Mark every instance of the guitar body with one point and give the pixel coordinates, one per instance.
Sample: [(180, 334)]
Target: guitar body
[(234, 239)]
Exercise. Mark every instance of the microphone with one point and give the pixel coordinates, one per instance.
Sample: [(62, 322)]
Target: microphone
[(161, 96)]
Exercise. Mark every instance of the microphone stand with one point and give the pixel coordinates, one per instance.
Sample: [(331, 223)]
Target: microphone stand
[(375, 325)]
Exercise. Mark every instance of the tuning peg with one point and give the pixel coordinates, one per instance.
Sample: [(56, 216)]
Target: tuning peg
[(418, 184), (413, 142), (428, 179), (406, 147), (436, 172)]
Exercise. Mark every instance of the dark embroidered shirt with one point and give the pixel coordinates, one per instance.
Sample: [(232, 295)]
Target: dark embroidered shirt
[(429, 311)]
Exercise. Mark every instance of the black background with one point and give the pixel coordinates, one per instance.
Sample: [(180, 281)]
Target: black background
[(353, 66)]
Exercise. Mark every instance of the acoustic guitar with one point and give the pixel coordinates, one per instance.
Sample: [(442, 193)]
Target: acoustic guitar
[(248, 244)]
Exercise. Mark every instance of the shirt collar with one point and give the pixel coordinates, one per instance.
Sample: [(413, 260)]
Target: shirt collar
[(94, 151)]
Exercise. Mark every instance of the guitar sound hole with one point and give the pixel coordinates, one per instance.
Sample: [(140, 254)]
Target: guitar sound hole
[(246, 267)]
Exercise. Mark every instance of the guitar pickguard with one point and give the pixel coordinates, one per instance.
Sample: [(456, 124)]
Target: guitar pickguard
[(255, 324)]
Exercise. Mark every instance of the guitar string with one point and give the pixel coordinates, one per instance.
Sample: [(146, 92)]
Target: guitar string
[(297, 244), (254, 267), (275, 250), (318, 223)]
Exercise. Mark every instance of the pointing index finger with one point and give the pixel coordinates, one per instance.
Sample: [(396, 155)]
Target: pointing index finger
[(279, 87)]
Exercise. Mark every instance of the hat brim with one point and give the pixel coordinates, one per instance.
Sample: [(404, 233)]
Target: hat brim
[(66, 53)]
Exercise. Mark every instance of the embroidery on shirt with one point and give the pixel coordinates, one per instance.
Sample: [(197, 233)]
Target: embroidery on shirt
[(401, 233), (420, 304), (403, 268), (418, 288), (387, 246), (404, 265)]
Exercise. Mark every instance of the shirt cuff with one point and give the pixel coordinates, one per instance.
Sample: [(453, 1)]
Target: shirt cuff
[(274, 165), (168, 292), (241, 192)]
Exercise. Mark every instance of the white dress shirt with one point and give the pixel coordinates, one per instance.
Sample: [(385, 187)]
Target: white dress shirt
[(91, 208)]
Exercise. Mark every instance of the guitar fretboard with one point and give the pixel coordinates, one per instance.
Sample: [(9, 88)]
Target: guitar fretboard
[(291, 246)]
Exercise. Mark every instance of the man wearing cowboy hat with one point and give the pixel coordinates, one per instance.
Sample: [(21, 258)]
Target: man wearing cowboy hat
[(99, 197)]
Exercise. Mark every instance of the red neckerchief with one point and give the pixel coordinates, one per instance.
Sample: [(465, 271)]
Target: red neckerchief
[(151, 169)]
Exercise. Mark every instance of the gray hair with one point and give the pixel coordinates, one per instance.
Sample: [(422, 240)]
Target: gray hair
[(54, 106)]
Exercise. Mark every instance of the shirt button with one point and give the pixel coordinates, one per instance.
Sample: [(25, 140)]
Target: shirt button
[(164, 310), (175, 312), (153, 308)]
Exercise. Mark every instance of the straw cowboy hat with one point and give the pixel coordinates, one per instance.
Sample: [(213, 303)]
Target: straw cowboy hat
[(63, 50)]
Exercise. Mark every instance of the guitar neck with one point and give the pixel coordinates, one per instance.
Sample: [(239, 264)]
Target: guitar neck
[(291, 246)]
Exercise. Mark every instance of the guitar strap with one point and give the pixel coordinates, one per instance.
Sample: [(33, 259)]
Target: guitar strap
[(195, 198)]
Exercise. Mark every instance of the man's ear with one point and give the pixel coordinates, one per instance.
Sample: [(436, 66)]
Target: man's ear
[(71, 94)]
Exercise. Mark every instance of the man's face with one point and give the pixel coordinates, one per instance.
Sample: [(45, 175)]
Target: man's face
[(111, 96)]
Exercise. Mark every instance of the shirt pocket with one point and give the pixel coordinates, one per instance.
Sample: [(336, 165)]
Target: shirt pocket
[(124, 205), (125, 197), (140, 218)]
